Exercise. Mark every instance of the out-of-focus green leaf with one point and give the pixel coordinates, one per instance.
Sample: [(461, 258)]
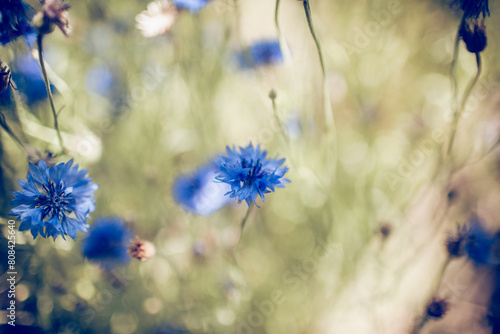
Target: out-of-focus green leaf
[(7, 177), (9, 118)]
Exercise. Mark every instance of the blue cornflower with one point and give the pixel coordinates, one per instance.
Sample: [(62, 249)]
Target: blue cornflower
[(194, 6), (261, 53), (107, 242), (250, 173), (54, 200), (15, 17), (199, 192)]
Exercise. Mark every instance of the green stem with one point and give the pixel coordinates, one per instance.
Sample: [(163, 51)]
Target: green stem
[(331, 132), (307, 9), (456, 48), (276, 21), (47, 87), (6, 127), (272, 96), (458, 112), (243, 222), (326, 97), (438, 281)]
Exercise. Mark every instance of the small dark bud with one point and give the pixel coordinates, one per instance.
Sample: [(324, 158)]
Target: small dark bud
[(385, 230), (452, 195), (474, 38), (455, 242), (272, 94), (437, 308), (141, 250)]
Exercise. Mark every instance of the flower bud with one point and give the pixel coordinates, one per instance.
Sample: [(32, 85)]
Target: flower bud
[(141, 250), (437, 308)]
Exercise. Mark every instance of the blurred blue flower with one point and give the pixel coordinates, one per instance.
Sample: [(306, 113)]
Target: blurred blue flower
[(27, 77), (194, 6), (100, 80), (107, 243), (15, 17), (199, 192), (479, 244), (250, 173), (261, 53), (293, 126), (50, 196)]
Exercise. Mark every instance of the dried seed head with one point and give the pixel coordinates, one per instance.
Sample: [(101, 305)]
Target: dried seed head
[(54, 13), (455, 242), (141, 250), (474, 37), (35, 156), (437, 308)]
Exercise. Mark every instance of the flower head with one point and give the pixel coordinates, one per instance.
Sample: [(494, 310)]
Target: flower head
[(194, 6), (141, 250), (474, 37), (199, 192), (261, 53), (107, 242), (54, 13), (250, 173), (54, 200), (15, 16), (158, 19)]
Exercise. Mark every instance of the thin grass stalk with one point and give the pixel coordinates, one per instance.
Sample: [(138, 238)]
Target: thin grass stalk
[(47, 87)]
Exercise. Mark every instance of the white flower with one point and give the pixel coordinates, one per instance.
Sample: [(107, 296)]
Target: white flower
[(158, 19)]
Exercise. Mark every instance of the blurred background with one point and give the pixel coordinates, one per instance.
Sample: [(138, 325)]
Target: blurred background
[(356, 243)]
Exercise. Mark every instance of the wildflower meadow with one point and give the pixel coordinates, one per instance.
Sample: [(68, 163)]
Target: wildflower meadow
[(249, 166)]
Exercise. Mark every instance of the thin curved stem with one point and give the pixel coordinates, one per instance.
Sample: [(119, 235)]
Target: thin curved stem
[(47, 87), (6, 127), (243, 222), (307, 9), (458, 112), (286, 138), (437, 285), (276, 21), (331, 136), (456, 48)]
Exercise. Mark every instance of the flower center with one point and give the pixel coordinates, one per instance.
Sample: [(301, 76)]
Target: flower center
[(254, 172), (55, 201)]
